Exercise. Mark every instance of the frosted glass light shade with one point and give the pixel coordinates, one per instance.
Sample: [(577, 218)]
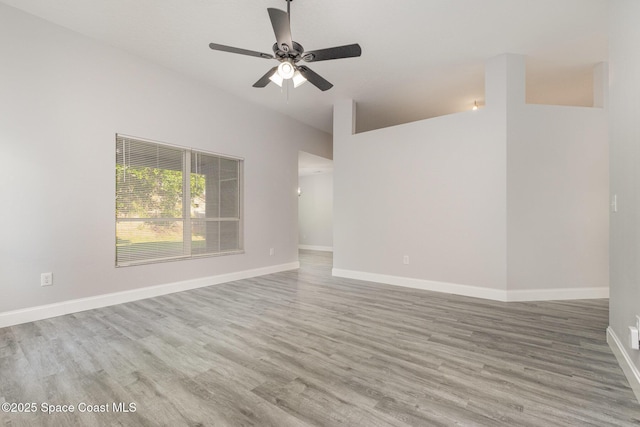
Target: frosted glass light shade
[(275, 77), (286, 70), (298, 79)]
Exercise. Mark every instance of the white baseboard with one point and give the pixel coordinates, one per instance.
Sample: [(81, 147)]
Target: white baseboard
[(477, 291), (316, 248), (427, 285), (557, 294), (32, 314), (630, 370)]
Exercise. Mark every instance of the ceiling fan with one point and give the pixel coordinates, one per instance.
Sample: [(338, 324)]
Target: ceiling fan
[(289, 53)]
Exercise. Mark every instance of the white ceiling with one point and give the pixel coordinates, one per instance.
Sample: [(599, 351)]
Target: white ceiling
[(421, 58), (309, 164)]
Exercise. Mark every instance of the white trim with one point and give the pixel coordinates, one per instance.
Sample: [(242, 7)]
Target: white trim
[(427, 285), (316, 248), (477, 291), (557, 294), (32, 314), (630, 370)]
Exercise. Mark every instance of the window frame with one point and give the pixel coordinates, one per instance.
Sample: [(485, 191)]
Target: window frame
[(187, 219)]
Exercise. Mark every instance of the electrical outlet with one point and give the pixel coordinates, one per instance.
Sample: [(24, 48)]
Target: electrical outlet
[(46, 279), (272, 251), (614, 203), (405, 259)]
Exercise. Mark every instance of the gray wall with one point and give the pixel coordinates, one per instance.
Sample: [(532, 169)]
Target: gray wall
[(315, 211), (558, 187), (63, 98), (511, 198), (557, 192), (624, 39), (434, 190)]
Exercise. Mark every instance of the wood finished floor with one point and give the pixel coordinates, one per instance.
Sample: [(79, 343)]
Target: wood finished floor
[(302, 348)]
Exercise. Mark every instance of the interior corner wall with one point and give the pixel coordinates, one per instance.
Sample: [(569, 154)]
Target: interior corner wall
[(315, 211), (432, 190), (63, 97), (624, 111), (557, 192)]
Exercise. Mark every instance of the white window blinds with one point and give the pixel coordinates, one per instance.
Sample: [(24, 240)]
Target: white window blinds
[(174, 203)]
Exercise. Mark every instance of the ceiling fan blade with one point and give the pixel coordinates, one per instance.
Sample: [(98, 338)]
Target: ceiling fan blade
[(281, 28), (264, 80), (230, 49), (314, 78), (347, 51)]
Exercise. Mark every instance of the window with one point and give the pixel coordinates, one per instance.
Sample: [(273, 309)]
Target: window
[(175, 203)]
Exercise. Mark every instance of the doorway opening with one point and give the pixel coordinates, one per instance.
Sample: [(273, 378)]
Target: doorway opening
[(315, 204)]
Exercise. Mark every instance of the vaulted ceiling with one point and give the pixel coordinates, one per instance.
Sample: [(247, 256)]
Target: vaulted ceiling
[(420, 58)]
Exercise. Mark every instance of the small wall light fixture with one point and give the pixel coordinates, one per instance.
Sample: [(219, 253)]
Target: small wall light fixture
[(475, 105), (299, 192)]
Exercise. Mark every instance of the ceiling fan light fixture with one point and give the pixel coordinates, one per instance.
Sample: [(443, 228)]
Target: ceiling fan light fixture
[(276, 78), (286, 70), (288, 53), (298, 79)]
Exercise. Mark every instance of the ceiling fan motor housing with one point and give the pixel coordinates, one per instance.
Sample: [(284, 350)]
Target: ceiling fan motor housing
[(295, 54)]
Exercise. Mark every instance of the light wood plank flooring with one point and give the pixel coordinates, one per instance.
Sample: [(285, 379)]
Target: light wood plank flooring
[(301, 348)]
